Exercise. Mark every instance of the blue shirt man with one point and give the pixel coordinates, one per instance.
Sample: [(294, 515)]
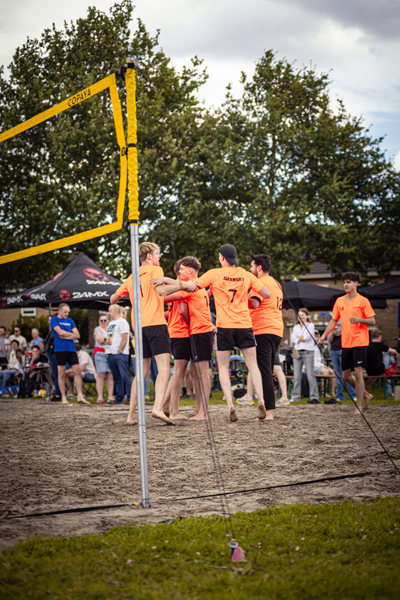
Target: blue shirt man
[(65, 332)]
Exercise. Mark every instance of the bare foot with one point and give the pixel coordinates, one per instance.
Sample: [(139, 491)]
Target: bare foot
[(159, 414), (367, 399), (176, 417), (82, 401), (262, 413), (192, 414), (269, 416), (198, 417), (64, 401), (358, 410), (131, 421), (232, 415)]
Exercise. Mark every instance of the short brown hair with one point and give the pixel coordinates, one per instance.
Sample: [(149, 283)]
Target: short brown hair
[(146, 248), (192, 262), (375, 333), (177, 266), (351, 276)]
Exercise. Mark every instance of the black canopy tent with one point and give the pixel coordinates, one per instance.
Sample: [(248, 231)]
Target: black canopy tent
[(82, 284), (388, 291), (316, 297)]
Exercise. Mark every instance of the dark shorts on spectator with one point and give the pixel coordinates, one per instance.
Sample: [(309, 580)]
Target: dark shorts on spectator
[(66, 357)]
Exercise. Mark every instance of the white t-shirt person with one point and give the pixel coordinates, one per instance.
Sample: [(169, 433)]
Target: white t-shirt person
[(114, 336), (85, 359)]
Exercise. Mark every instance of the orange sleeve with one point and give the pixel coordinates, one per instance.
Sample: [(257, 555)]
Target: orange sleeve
[(206, 279), (335, 311), (123, 290), (184, 294), (255, 284)]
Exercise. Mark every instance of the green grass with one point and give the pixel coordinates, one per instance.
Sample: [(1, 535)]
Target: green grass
[(218, 395), (296, 552)]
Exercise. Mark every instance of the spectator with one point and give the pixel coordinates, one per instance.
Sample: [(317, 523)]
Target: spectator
[(281, 377), (379, 358), (37, 371), (13, 367), (335, 341), (48, 348), (117, 351), (4, 345), (303, 354), (20, 338), (36, 339), (88, 371), (100, 360), (321, 369), (65, 332)]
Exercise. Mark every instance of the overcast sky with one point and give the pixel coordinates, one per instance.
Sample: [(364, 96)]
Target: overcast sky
[(357, 41)]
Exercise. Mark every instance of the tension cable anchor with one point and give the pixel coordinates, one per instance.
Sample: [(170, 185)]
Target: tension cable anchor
[(237, 554)]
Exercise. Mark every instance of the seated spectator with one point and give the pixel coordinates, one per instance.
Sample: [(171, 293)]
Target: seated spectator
[(321, 369), (20, 338), (88, 371), (379, 358), (37, 371), (36, 339), (86, 364), (4, 345)]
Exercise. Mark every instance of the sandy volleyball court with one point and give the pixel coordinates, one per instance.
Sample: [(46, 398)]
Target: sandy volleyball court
[(57, 457)]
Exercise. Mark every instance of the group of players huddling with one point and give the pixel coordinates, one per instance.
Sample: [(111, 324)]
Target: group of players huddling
[(249, 317)]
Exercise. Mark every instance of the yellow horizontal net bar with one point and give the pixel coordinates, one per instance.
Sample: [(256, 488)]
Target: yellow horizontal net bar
[(99, 86)]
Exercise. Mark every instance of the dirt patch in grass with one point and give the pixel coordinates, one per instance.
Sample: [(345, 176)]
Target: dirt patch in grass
[(57, 457)]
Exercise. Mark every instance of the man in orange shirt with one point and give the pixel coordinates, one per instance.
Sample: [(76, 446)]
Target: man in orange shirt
[(156, 340), (356, 313), (267, 326), (230, 285), (180, 347)]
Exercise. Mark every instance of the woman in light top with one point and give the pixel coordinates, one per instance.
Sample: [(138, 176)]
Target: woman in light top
[(303, 354), (100, 360)]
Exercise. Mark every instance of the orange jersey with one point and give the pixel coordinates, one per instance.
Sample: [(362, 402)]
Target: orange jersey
[(152, 305), (353, 335), (267, 318), (199, 311), (177, 326), (230, 290)]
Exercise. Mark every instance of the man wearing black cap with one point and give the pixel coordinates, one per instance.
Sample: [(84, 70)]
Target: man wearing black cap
[(230, 285)]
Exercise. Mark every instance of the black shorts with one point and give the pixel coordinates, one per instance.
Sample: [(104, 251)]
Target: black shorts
[(156, 340), (227, 339), (201, 346), (276, 359), (180, 348), (354, 357), (63, 358)]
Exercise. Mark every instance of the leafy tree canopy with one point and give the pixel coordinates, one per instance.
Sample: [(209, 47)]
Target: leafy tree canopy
[(300, 179)]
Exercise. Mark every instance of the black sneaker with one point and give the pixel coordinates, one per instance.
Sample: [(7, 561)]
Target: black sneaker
[(55, 399), (313, 401), (332, 401)]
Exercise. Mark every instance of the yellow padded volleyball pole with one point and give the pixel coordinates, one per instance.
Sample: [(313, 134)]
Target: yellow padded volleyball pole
[(133, 204)]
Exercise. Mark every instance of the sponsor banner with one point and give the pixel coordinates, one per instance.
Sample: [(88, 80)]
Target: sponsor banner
[(92, 282)]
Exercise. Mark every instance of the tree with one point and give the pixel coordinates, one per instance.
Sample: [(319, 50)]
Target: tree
[(62, 176), (308, 181)]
